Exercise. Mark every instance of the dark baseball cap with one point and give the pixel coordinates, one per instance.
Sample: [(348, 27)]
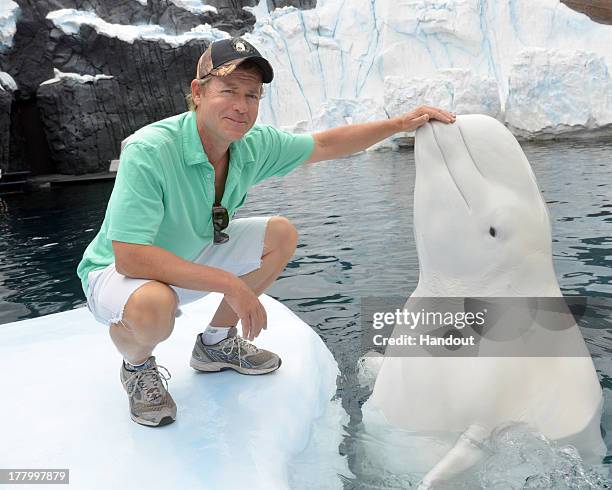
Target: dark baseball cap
[(222, 57)]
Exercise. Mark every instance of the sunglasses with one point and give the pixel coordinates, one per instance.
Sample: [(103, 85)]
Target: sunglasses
[(220, 219)]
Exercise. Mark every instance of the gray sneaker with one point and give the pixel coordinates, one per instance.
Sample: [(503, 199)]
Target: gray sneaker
[(233, 353), (150, 402)]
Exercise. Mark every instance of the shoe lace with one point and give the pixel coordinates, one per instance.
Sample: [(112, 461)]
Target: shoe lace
[(240, 344), (148, 382)]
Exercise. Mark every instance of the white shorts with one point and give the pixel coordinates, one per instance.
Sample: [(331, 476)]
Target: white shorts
[(109, 291)]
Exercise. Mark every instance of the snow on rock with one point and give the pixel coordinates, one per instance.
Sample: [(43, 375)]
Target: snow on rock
[(195, 6), (9, 11), (554, 91), (7, 82), (70, 21), (75, 76)]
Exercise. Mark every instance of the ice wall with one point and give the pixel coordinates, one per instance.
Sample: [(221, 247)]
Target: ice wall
[(552, 92), (398, 54), (364, 59)]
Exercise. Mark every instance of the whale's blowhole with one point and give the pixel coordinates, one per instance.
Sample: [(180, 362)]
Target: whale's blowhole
[(492, 231)]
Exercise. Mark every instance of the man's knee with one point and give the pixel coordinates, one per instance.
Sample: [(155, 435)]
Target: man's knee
[(282, 234), (150, 312)]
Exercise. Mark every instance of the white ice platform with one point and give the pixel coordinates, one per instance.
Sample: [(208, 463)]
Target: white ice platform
[(63, 406)]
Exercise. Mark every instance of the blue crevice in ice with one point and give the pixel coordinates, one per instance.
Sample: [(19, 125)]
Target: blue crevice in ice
[(514, 20), (492, 67), (296, 78), (338, 19), (445, 47), (373, 45), (271, 110), (315, 48), (418, 36), (451, 90), (485, 42), (553, 18)]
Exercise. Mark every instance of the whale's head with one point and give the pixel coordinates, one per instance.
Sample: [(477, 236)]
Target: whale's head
[(481, 225)]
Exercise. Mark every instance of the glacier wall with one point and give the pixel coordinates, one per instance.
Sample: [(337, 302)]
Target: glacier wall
[(464, 55), (553, 92)]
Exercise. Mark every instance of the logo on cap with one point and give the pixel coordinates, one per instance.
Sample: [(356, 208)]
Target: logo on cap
[(242, 47)]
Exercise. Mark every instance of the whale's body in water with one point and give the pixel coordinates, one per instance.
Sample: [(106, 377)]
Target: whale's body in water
[(482, 231)]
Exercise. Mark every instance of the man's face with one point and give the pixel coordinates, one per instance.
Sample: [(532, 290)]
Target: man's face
[(228, 106)]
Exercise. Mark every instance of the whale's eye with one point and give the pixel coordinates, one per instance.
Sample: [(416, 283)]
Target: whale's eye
[(492, 231)]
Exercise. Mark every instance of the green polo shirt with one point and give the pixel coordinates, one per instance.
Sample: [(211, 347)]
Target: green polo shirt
[(165, 187)]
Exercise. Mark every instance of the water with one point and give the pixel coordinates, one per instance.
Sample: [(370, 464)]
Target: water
[(355, 222)]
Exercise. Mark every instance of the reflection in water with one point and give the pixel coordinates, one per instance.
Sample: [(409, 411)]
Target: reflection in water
[(354, 217)]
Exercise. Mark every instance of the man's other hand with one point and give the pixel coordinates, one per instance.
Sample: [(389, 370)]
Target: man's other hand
[(248, 308)]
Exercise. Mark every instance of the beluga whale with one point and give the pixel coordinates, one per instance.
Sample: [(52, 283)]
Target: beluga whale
[(483, 237)]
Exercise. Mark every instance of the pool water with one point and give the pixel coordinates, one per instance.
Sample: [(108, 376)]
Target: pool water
[(354, 217)]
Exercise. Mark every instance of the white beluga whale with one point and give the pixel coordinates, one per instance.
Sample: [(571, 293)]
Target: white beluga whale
[(482, 230)]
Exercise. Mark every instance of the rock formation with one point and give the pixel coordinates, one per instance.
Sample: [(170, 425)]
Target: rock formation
[(74, 125)]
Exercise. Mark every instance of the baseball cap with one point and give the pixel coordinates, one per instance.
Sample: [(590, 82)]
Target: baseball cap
[(222, 57)]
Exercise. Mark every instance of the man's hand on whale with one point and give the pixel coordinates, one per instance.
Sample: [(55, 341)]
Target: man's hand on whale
[(419, 116), (353, 138)]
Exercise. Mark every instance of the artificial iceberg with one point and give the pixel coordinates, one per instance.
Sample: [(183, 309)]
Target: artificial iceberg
[(64, 407)]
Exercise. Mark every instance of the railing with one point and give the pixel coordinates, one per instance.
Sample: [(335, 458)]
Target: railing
[(13, 182)]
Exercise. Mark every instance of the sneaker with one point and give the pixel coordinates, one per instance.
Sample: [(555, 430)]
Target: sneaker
[(150, 402), (233, 353)]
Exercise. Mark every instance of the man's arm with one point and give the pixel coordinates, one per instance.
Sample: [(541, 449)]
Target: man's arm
[(352, 138), (152, 262)]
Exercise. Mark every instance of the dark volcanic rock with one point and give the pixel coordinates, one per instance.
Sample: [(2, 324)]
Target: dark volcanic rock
[(6, 100), (152, 77), (83, 123), (7, 97), (29, 61)]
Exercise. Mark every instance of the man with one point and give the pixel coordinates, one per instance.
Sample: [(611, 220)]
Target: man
[(167, 238)]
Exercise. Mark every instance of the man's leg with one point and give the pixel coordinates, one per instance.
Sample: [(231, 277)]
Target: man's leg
[(219, 347), (148, 319), (280, 242)]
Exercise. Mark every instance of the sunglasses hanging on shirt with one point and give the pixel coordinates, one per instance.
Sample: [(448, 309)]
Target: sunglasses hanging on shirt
[(220, 218)]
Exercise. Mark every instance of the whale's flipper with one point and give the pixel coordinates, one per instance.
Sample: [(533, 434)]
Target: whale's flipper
[(466, 452)]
